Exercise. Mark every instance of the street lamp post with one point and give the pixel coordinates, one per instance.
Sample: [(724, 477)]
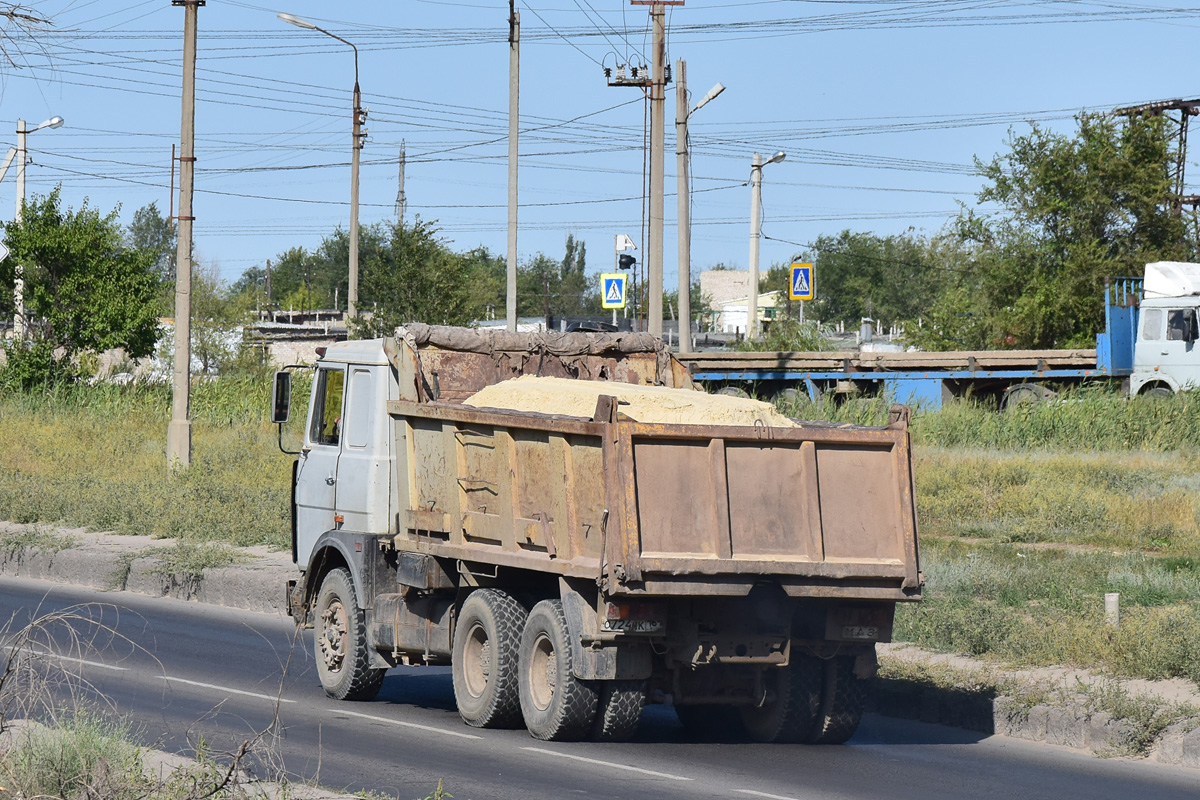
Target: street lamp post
[(19, 270), (756, 165), (683, 197), (358, 135)]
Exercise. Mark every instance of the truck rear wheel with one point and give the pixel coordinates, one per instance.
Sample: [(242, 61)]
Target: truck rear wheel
[(842, 699), (340, 642), (484, 662), (618, 711), (792, 713), (557, 706)]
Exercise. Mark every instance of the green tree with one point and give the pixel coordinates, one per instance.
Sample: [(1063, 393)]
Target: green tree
[(1075, 210), (412, 276), (85, 288), (889, 278), (152, 232)]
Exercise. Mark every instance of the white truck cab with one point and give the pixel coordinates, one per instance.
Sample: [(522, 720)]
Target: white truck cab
[(1166, 358), (343, 474)]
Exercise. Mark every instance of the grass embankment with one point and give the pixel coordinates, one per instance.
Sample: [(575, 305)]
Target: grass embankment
[(1027, 518), (96, 457)]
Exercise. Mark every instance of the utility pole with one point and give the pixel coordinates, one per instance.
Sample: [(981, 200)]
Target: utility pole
[(658, 90), (756, 165), (683, 208), (360, 116), (683, 162), (401, 200), (19, 270), (514, 92), (179, 433), (659, 77)]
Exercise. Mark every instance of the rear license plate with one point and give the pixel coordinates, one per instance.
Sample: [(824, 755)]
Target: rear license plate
[(633, 625), (861, 632)]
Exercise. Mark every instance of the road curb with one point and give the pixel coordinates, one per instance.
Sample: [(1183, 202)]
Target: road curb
[(1071, 726), (128, 563)]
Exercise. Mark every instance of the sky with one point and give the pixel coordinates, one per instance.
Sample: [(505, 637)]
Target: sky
[(881, 108)]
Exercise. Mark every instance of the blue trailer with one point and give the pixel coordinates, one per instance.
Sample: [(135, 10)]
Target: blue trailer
[(926, 380)]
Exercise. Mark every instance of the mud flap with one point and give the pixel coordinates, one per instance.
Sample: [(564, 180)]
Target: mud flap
[(598, 660)]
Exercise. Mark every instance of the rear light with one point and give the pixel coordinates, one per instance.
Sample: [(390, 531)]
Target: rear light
[(321, 352)]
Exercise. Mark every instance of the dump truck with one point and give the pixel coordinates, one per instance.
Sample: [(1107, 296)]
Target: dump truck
[(574, 556)]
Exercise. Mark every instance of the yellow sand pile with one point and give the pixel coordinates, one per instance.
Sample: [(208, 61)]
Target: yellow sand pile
[(577, 398)]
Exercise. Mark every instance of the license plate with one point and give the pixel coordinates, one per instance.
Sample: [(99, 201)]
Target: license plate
[(633, 625), (865, 632)]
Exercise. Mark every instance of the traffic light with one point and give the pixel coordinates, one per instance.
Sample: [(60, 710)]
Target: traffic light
[(626, 261)]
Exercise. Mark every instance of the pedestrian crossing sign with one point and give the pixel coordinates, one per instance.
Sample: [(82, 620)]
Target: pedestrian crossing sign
[(612, 290), (802, 282)]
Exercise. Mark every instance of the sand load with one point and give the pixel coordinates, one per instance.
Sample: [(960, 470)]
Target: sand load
[(651, 404)]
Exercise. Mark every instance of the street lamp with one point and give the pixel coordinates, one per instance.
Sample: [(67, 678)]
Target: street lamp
[(756, 165), (18, 269), (683, 198), (356, 143)]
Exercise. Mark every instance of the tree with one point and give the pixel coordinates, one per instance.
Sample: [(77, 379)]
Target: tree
[(154, 233), (85, 288), (890, 278), (1076, 210), (412, 277), (20, 30)]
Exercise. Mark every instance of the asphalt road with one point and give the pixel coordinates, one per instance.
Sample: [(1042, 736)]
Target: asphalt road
[(184, 671)]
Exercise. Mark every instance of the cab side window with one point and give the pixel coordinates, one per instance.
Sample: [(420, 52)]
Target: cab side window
[(327, 416), (1181, 324), (1152, 323)]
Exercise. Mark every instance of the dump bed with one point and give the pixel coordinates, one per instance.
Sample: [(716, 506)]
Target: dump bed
[(643, 508)]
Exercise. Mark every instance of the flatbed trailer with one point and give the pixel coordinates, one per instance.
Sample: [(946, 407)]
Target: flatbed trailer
[(926, 380)]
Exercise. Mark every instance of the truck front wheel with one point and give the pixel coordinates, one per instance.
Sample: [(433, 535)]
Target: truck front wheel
[(484, 661), (557, 706), (340, 642)]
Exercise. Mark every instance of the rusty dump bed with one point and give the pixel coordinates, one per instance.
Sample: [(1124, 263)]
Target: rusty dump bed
[(647, 509)]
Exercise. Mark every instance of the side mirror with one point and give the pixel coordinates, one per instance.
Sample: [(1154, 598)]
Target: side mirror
[(282, 397)]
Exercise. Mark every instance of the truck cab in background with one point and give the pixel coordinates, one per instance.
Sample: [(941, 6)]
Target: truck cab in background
[(1166, 358)]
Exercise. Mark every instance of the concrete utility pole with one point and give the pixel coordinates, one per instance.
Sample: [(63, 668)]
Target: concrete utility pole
[(358, 136), (21, 153), (514, 92), (18, 269), (179, 432), (658, 91), (756, 165), (401, 199), (683, 161), (683, 212)]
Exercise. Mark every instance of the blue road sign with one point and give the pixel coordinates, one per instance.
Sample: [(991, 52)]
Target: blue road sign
[(612, 290), (803, 286)]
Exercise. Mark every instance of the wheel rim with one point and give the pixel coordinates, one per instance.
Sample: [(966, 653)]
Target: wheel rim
[(543, 673), (334, 635), (477, 661)]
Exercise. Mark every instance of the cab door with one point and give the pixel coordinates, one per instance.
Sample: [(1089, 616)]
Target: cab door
[(316, 472), (1179, 357)]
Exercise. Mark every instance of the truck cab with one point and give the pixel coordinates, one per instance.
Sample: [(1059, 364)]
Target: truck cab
[(345, 463), (1166, 358)]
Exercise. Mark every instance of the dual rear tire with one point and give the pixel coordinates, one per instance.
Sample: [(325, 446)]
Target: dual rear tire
[(512, 667)]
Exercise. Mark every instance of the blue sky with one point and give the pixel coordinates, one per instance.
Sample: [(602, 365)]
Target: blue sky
[(880, 106)]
